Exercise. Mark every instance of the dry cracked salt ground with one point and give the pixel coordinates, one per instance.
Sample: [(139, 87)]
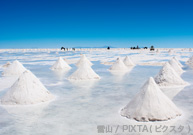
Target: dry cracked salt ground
[(80, 107)]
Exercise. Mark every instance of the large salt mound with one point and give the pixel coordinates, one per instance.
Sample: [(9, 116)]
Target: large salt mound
[(175, 66), (60, 64), (168, 77), (83, 60), (16, 68), (178, 61), (150, 104), (118, 65), (128, 61), (26, 90), (84, 72)]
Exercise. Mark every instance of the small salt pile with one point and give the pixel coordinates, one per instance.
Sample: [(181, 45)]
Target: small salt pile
[(150, 104), (128, 61), (176, 66), (118, 65), (170, 51), (26, 90), (178, 61), (190, 61), (168, 77), (84, 72), (6, 65), (16, 68), (83, 60), (60, 64)]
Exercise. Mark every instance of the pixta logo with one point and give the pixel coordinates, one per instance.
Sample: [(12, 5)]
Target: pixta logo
[(185, 130)]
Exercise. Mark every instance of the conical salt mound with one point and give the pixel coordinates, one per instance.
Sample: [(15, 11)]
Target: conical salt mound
[(175, 66), (170, 51), (16, 68), (118, 65), (178, 61), (26, 90), (150, 104), (128, 61), (190, 61), (168, 77), (83, 60), (60, 64), (84, 72), (7, 64)]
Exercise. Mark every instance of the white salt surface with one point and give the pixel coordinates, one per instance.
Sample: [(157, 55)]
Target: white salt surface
[(81, 106)]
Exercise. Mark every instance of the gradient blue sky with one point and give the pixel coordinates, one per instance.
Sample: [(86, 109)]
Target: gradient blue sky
[(95, 23)]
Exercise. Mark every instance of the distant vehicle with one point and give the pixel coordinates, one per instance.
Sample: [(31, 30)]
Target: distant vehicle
[(62, 48), (152, 48), (145, 48), (108, 48), (135, 47)]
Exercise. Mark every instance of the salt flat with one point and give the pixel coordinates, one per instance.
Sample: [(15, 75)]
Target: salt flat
[(80, 106)]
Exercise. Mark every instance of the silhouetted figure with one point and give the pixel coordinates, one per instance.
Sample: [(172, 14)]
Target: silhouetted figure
[(137, 47), (108, 48), (73, 49), (152, 48)]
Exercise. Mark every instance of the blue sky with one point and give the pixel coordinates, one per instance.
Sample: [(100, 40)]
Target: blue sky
[(95, 23)]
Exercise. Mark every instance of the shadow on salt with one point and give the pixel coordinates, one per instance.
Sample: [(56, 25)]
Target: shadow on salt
[(7, 82), (171, 92)]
